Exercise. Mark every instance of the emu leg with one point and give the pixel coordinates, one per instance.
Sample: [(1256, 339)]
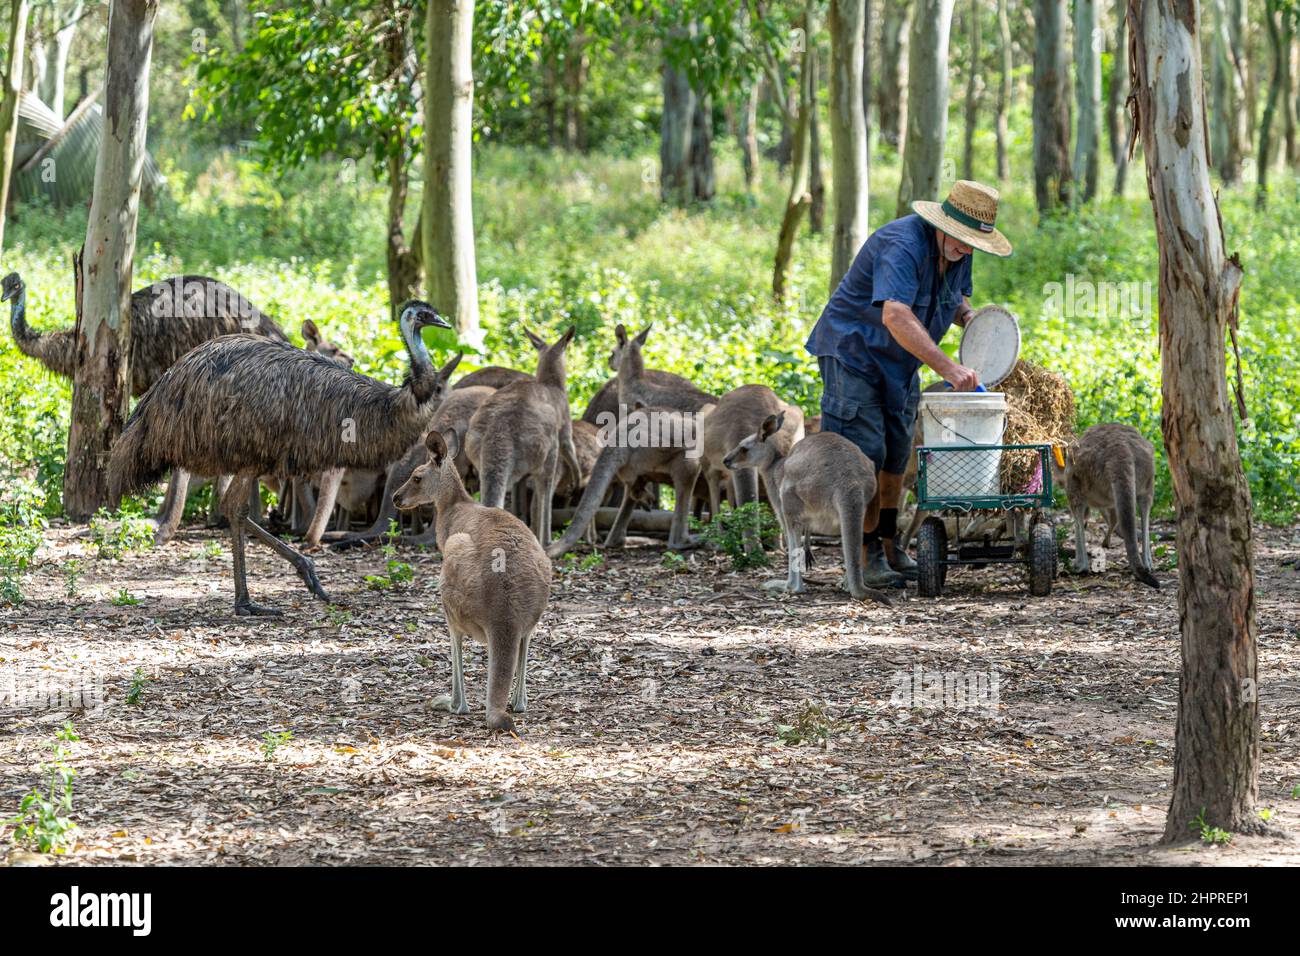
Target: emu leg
[(220, 487), (244, 606), (301, 563), (173, 506)]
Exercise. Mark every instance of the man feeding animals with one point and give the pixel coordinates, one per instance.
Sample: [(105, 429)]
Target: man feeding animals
[(908, 284)]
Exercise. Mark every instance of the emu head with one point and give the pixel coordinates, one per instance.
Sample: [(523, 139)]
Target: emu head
[(755, 451), (623, 342), (425, 483), (315, 342), (12, 286)]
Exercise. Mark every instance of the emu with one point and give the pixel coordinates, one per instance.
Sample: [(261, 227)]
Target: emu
[(248, 406), (168, 318)]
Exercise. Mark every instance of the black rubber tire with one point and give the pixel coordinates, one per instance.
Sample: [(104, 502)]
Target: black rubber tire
[(931, 550), (1042, 558)]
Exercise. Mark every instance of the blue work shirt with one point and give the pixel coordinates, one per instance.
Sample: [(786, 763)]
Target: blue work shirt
[(898, 262)]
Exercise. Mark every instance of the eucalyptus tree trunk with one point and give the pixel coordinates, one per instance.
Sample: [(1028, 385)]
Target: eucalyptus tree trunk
[(1239, 121), (18, 12), (101, 388), (1264, 150), (973, 30), (1288, 85), (51, 90), (1227, 105), (1051, 106), (927, 97), (448, 235), (848, 116), (869, 53), (749, 137), (678, 117), (1117, 110), (798, 199), (1087, 89), (703, 182), (403, 258), (891, 96), (816, 182), (1216, 751), (1004, 89)]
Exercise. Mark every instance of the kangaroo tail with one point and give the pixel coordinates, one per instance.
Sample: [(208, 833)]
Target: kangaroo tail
[(502, 652), (1124, 488)]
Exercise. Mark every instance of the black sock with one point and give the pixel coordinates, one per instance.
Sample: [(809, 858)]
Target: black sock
[(887, 527), (871, 537)]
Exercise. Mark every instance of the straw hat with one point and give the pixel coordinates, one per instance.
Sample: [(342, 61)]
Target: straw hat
[(967, 215)]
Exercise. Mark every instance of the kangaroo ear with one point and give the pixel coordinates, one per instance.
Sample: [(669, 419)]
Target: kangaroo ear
[(451, 441), (538, 342), (444, 373), (771, 425), (310, 332), (620, 333), (567, 337), (641, 337), (436, 445)]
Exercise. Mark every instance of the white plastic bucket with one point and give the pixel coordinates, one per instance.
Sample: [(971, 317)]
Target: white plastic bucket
[(963, 418)]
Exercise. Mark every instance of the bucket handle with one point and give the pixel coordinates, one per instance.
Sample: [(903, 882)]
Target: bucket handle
[(1005, 418)]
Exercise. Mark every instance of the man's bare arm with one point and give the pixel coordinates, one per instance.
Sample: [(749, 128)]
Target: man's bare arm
[(908, 332)]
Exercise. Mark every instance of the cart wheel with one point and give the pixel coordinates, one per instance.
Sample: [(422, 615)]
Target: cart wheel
[(931, 551), (1042, 559)]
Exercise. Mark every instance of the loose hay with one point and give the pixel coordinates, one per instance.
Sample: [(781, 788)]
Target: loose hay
[(1040, 410)]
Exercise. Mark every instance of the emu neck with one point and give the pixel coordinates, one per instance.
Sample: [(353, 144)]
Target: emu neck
[(54, 350), (424, 379)]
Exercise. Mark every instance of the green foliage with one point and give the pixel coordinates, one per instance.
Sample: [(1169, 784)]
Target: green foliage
[(1212, 835), (398, 572), (135, 693), (124, 598), (742, 533), (71, 576), (675, 562), (44, 820), (810, 724), (119, 534), (272, 740), (22, 528)]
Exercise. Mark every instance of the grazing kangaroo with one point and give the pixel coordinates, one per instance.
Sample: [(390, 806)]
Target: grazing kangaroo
[(1111, 467), (495, 580), (665, 455), (524, 431), (823, 481), (492, 376), (738, 414)]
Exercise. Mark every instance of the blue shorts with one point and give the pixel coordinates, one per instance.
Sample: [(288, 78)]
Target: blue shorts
[(855, 406)]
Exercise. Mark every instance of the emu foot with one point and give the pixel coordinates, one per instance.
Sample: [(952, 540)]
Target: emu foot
[(450, 706), (307, 571), (518, 705), (253, 609), (1143, 576), (782, 584)]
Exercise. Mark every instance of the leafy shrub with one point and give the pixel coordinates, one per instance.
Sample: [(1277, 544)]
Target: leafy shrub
[(742, 533)]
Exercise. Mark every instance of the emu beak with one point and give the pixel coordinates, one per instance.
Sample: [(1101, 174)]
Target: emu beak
[(8, 294), (427, 317)]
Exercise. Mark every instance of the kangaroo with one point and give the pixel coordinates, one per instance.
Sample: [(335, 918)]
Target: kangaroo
[(821, 482), (491, 376), (636, 384), (495, 581), (738, 414), (1111, 467), (524, 430), (648, 444), (453, 416)]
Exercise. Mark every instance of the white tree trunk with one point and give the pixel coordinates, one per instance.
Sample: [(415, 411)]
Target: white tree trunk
[(1216, 755), (102, 383), (449, 260), (1087, 95), (848, 116), (927, 102), (1051, 112), (9, 111), (1004, 89), (53, 90)]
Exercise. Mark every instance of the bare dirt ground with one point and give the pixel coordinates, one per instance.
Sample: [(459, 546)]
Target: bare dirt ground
[(654, 733)]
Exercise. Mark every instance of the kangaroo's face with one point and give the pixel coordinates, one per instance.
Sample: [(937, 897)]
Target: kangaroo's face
[(755, 451), (623, 342), (314, 341), (427, 480)]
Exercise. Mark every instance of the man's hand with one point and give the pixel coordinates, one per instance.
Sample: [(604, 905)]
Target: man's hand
[(961, 378)]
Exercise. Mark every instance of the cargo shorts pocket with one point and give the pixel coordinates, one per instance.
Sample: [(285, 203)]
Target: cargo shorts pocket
[(842, 409)]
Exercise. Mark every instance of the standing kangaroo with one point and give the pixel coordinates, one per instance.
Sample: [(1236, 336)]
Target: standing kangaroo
[(524, 431), (821, 482), (740, 413), (495, 581), (1111, 467)]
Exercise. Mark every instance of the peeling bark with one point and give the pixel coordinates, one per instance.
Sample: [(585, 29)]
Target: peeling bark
[(1216, 757)]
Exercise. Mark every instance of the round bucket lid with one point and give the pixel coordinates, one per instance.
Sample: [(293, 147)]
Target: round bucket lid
[(991, 344)]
